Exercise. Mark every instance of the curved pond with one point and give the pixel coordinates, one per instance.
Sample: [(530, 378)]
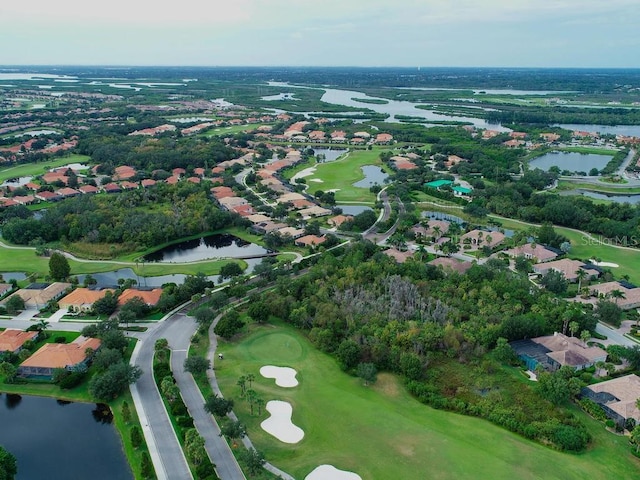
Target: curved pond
[(571, 161), (8, 276), (373, 175), (220, 245), (58, 439), (329, 154)]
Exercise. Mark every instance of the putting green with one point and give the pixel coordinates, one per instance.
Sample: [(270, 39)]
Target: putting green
[(381, 432)]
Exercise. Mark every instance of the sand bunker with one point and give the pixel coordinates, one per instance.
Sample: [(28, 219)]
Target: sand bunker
[(605, 264), (285, 376), (303, 173), (329, 472), (279, 423), (317, 180)]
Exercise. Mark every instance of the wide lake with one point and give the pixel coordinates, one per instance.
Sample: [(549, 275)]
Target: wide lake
[(56, 440), (626, 130), (571, 161), (220, 245)]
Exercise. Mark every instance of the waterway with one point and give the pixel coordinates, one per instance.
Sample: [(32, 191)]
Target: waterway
[(329, 154), (54, 439), (220, 245), (571, 161), (613, 197), (392, 108), (353, 209)]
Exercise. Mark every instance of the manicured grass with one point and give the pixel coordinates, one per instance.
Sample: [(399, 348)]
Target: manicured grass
[(587, 149), (215, 132), (343, 173), (39, 168), (382, 432)]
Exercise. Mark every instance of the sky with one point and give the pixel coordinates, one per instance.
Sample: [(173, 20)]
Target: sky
[(374, 33)]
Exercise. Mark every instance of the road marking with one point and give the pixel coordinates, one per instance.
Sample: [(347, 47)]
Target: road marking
[(183, 350)]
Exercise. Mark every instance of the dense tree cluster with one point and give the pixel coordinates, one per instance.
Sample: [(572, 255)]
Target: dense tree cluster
[(374, 315)]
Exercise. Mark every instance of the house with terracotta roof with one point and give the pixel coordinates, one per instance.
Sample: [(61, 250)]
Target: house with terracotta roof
[(70, 356), (112, 188), (46, 196), (124, 172), (339, 220), (149, 297), (310, 240), (88, 189), (383, 138), (67, 192), (12, 340), (82, 299), (222, 192)]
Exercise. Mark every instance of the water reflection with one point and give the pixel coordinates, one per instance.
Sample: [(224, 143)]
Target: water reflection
[(12, 400), (372, 176), (211, 246)]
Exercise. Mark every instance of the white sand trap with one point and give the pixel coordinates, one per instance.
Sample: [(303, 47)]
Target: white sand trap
[(279, 423), (329, 472), (303, 173), (285, 376), (605, 264), (333, 190), (317, 180)]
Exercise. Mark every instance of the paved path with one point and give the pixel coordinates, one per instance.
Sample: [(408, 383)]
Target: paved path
[(216, 446), (164, 448)]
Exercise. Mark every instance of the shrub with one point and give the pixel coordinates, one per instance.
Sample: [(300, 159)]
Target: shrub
[(184, 421), (61, 340), (178, 409), (72, 380)]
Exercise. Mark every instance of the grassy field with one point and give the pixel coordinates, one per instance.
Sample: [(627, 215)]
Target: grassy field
[(216, 132), (382, 432), (343, 173), (39, 168), (566, 185)]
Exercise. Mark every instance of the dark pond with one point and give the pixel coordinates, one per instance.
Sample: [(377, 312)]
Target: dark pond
[(110, 279), (372, 176), (57, 440), (442, 216), (213, 246)]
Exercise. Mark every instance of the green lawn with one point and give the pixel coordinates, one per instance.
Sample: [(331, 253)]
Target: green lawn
[(381, 432), (215, 132), (567, 185), (343, 173), (39, 168)]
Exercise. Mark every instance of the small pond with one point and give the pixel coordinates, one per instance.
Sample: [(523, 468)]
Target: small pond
[(213, 246), (571, 161), (328, 154), (373, 175), (8, 276), (442, 216), (353, 209), (54, 439)]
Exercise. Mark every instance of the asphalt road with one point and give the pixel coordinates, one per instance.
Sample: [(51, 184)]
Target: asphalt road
[(164, 448), (217, 448), (614, 336)]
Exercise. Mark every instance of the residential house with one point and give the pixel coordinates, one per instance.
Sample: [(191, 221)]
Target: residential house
[(460, 191), (383, 138), (82, 299), (629, 299), (12, 340), (339, 220), (291, 232), (37, 295), (476, 239), (569, 268), (532, 251), (617, 397), (149, 297), (438, 184), (449, 264), (71, 356), (46, 196), (5, 288), (558, 350), (315, 211), (398, 255), (310, 240), (87, 189)]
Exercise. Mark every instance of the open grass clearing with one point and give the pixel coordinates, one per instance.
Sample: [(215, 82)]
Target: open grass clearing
[(340, 175), (383, 432), (27, 169), (606, 188)]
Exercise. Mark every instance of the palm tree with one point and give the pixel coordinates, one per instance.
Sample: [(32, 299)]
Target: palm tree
[(580, 275), (573, 328), (437, 231), (599, 367), (617, 294)]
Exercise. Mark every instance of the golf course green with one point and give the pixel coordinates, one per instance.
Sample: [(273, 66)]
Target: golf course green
[(381, 432)]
